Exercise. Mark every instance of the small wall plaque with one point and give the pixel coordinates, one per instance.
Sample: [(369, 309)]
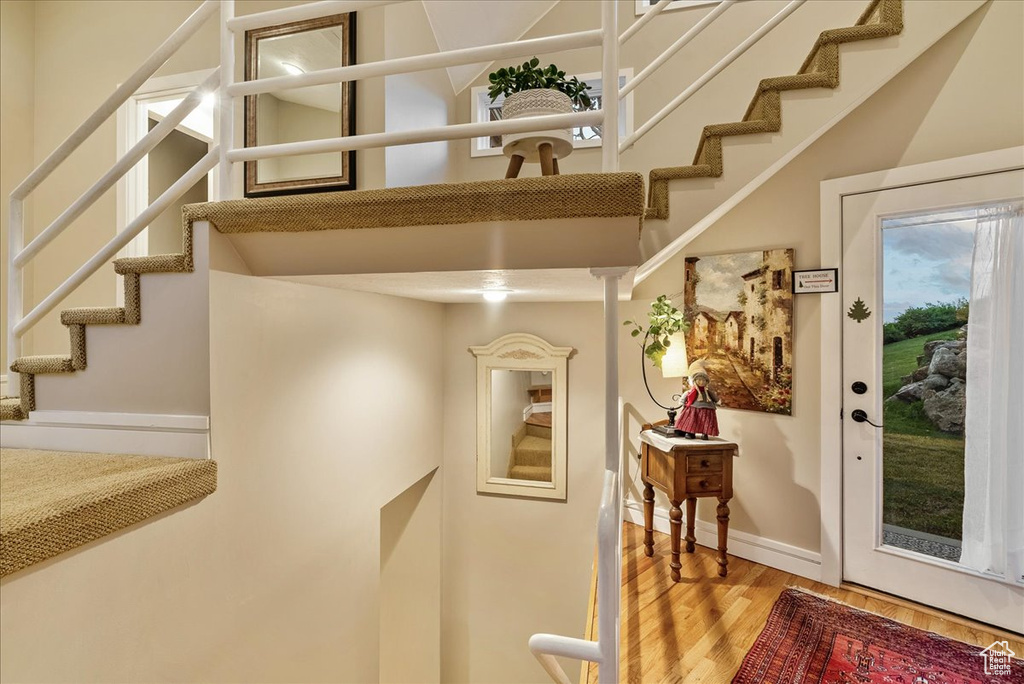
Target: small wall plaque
[(817, 281)]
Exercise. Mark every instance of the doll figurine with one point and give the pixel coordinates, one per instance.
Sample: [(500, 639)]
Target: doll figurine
[(698, 413)]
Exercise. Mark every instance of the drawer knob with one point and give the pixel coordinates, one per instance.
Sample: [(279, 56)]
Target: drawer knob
[(705, 463), (703, 484)]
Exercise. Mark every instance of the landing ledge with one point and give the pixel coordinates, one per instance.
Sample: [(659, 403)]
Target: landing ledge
[(55, 501), (571, 221)]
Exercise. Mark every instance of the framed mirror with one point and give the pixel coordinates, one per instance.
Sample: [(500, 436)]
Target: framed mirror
[(521, 405), (298, 114)]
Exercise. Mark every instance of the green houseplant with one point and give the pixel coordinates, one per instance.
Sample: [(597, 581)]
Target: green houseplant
[(663, 321), (531, 76)]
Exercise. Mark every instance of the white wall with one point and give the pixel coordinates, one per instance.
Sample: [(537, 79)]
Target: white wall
[(514, 566), (274, 577), (508, 399), (168, 161)]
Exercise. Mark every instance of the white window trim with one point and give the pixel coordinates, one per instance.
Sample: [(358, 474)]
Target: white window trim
[(642, 9), (479, 102)]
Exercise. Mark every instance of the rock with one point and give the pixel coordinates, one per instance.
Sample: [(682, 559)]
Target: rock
[(962, 334), (929, 349), (908, 393), (945, 362), (946, 408), (920, 374), (921, 361), (935, 382), (962, 357), (906, 380)]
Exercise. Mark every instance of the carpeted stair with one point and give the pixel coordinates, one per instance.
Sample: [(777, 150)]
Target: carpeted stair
[(52, 502), (882, 18), (530, 458), (76, 320)]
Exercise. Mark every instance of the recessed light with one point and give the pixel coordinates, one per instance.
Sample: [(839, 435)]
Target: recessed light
[(292, 69), (496, 295)]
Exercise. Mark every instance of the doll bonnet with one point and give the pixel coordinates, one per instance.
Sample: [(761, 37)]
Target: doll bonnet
[(697, 368)]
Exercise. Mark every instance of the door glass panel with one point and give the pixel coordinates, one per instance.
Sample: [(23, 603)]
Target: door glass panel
[(926, 286)]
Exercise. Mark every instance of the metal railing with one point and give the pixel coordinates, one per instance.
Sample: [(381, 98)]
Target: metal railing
[(225, 155)]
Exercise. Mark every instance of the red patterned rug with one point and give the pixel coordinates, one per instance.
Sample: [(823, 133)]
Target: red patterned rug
[(811, 640)]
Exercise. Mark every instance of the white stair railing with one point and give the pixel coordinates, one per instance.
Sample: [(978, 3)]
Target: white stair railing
[(604, 651)]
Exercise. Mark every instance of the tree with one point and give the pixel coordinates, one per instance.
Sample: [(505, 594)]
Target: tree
[(858, 311)]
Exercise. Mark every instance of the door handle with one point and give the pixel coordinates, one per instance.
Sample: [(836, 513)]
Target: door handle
[(860, 416)]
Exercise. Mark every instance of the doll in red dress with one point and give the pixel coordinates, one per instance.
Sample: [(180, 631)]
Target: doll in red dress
[(699, 405)]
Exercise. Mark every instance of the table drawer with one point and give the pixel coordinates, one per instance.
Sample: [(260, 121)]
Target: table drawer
[(704, 463), (711, 482)]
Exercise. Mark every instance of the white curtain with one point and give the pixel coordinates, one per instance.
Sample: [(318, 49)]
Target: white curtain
[(993, 534)]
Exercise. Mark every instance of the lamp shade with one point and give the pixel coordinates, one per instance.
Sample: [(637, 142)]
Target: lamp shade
[(673, 364)]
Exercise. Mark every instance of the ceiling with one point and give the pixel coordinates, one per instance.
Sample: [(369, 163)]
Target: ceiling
[(538, 285), (459, 24), (309, 51)]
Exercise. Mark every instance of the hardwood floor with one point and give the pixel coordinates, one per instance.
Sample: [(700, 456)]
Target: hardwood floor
[(699, 629)]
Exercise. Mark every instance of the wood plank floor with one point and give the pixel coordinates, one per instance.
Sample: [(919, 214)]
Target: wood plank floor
[(699, 629)]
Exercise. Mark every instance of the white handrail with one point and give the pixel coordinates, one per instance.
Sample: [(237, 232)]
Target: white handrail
[(610, 87), (130, 159), (312, 10), (642, 21), (676, 46), (15, 293), (123, 92), (226, 103), (711, 73), (109, 250), (438, 60), (452, 132)]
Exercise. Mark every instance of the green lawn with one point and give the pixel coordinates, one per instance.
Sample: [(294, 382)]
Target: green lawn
[(923, 471)]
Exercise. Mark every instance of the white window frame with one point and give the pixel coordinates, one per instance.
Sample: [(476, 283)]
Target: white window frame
[(644, 6), (481, 103)]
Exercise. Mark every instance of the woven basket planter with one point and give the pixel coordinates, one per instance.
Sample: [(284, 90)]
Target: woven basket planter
[(537, 102)]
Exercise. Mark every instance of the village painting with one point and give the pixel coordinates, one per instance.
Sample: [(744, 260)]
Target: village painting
[(740, 313)]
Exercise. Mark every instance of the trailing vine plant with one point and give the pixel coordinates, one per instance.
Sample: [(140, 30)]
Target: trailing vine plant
[(663, 321)]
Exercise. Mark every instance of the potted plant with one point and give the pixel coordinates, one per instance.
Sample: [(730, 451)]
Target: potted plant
[(532, 90)]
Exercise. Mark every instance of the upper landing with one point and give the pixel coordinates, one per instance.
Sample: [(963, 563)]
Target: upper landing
[(550, 222)]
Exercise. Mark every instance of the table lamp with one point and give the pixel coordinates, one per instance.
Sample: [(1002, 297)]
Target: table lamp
[(673, 365)]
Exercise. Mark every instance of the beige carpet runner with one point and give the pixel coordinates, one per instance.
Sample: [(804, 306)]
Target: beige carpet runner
[(530, 457), (882, 18), (52, 502)]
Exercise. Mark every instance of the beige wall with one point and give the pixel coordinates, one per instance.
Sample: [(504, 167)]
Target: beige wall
[(17, 85), (275, 577), (515, 566), (410, 585), (175, 155), (963, 96)]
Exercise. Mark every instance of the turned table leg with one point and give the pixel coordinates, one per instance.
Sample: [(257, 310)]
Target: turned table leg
[(675, 519), (691, 518), (515, 164), (648, 520), (554, 165), (723, 536), (547, 167)]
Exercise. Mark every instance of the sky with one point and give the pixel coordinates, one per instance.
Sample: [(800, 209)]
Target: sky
[(928, 263), (720, 279)]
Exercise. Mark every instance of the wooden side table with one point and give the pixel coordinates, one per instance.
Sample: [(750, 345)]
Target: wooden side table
[(686, 469)]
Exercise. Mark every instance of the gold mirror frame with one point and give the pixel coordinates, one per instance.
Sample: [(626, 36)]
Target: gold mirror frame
[(346, 180), (522, 352)]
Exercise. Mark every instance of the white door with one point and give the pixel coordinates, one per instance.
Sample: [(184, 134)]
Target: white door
[(903, 250)]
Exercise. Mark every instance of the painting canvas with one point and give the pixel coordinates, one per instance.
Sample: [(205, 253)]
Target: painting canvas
[(740, 313)]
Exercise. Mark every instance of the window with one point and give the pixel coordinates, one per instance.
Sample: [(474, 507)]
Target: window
[(642, 6), (485, 110)]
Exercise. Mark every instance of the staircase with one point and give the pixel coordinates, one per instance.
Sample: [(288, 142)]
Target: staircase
[(530, 457)]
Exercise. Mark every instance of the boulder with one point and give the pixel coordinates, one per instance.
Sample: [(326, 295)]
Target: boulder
[(906, 379), (931, 347), (946, 408), (962, 333), (935, 382), (908, 393), (920, 374), (945, 362)]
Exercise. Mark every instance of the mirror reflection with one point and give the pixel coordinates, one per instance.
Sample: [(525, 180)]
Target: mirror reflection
[(521, 402), (298, 114)]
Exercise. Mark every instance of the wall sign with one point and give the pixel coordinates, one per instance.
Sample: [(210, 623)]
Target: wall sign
[(818, 281)]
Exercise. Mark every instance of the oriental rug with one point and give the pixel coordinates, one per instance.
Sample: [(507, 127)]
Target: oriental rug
[(812, 640)]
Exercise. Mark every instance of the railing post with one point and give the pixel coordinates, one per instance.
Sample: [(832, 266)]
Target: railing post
[(610, 86), (15, 301), (225, 102)]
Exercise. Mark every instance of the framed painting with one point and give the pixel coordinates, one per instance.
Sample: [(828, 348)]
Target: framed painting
[(740, 313), (300, 114)]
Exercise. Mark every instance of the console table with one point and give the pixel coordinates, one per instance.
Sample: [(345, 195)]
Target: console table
[(686, 469)]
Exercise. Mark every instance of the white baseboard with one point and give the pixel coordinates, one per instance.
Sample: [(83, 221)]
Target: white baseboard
[(111, 433), (742, 544)]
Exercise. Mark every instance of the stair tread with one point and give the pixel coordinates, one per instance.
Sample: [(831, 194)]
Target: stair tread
[(157, 263), (35, 365), (10, 409), (93, 315), (524, 472), (56, 501)]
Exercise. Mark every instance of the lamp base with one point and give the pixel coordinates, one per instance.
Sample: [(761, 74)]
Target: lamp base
[(666, 430)]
